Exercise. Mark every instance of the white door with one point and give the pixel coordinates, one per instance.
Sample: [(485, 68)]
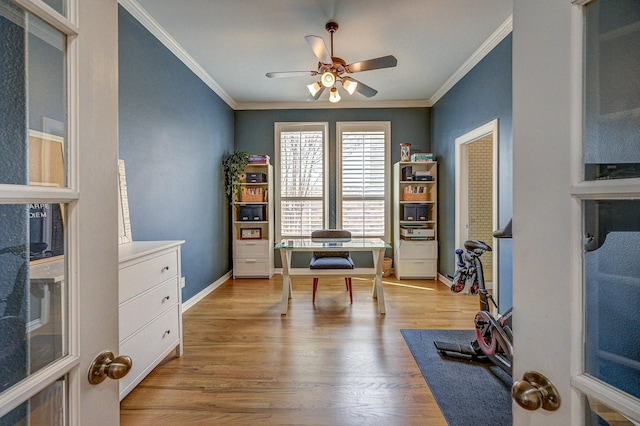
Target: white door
[(58, 209), (575, 176)]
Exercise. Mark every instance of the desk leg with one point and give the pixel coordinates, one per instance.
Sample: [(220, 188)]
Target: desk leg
[(287, 289), (378, 291)]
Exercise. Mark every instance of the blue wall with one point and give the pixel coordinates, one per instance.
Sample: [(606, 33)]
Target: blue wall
[(174, 132), (483, 95)]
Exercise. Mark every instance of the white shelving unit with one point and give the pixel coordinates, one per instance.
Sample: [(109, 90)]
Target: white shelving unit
[(253, 223), (415, 227)]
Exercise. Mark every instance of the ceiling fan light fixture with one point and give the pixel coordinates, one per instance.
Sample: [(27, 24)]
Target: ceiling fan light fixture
[(349, 85), (334, 96), (328, 79), (314, 88)]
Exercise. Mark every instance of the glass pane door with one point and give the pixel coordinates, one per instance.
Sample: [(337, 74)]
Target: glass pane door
[(610, 207), (34, 289)]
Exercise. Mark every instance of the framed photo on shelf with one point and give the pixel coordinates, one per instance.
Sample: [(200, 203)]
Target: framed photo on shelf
[(250, 233)]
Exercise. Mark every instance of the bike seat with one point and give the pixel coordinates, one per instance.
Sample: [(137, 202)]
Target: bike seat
[(474, 245)]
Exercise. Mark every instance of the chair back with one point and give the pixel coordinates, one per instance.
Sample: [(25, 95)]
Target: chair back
[(336, 235)]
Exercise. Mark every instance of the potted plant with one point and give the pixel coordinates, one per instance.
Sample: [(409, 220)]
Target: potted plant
[(234, 165)]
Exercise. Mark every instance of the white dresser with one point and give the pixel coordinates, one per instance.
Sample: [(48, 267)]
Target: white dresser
[(150, 306)]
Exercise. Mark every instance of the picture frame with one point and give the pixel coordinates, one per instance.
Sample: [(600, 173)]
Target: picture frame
[(250, 233), (124, 223)]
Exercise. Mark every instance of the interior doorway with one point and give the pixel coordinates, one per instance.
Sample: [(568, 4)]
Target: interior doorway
[(477, 194)]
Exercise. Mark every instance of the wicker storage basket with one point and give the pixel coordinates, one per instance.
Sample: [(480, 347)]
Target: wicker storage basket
[(386, 266), (407, 196), (251, 197)]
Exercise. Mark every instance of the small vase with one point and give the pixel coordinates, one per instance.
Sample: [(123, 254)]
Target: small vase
[(405, 151)]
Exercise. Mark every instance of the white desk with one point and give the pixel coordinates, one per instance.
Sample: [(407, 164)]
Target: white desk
[(375, 245)]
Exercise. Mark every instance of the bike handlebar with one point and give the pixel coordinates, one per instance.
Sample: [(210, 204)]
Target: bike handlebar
[(460, 261)]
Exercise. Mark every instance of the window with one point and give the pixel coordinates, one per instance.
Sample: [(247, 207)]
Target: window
[(301, 174), (362, 178)]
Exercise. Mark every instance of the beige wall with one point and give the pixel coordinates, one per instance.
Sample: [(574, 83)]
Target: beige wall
[(481, 197)]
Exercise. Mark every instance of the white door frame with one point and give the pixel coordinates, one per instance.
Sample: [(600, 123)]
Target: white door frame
[(462, 200)]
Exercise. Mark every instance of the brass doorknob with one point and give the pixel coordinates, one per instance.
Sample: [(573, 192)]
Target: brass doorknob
[(106, 365), (535, 391)]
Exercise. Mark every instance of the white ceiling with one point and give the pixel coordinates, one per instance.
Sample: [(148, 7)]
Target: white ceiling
[(235, 42)]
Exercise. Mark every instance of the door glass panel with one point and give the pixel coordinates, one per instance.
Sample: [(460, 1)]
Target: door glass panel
[(612, 292), (33, 294), (47, 407), (612, 90), (33, 100)]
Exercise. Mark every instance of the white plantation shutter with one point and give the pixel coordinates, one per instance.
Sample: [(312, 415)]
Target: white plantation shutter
[(363, 178), (301, 178)]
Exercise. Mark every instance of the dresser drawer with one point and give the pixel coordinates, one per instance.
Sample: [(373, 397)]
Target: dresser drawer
[(136, 278), (251, 267), (148, 346), (138, 311), (418, 249), (417, 268), (252, 248)]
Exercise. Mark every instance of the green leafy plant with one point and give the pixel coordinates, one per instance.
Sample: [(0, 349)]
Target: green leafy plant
[(234, 165)]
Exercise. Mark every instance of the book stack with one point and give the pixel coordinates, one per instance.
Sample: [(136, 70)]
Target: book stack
[(258, 159), (422, 157)]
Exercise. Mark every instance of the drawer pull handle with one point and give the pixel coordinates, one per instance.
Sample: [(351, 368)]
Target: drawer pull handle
[(251, 261), (166, 333), (166, 298), (166, 268)]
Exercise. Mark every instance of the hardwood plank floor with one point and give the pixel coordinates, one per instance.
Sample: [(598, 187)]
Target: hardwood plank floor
[(328, 364)]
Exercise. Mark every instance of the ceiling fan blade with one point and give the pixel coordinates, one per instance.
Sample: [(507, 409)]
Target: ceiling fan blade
[(373, 64), (363, 89), (291, 74), (319, 48), (317, 95)]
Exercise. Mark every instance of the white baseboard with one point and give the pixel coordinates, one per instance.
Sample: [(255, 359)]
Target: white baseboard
[(445, 280), (205, 292)]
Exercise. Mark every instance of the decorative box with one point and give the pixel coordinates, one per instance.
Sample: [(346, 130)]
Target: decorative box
[(251, 212), (253, 177)]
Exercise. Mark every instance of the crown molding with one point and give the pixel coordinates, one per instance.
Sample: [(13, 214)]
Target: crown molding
[(329, 105), (494, 39), (142, 16)]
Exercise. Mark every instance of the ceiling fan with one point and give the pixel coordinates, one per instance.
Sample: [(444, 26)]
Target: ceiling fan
[(333, 70)]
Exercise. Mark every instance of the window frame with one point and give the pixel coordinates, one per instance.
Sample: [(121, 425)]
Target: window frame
[(355, 126), (280, 127)]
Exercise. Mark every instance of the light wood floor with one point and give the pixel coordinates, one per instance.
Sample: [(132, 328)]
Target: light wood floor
[(328, 364)]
